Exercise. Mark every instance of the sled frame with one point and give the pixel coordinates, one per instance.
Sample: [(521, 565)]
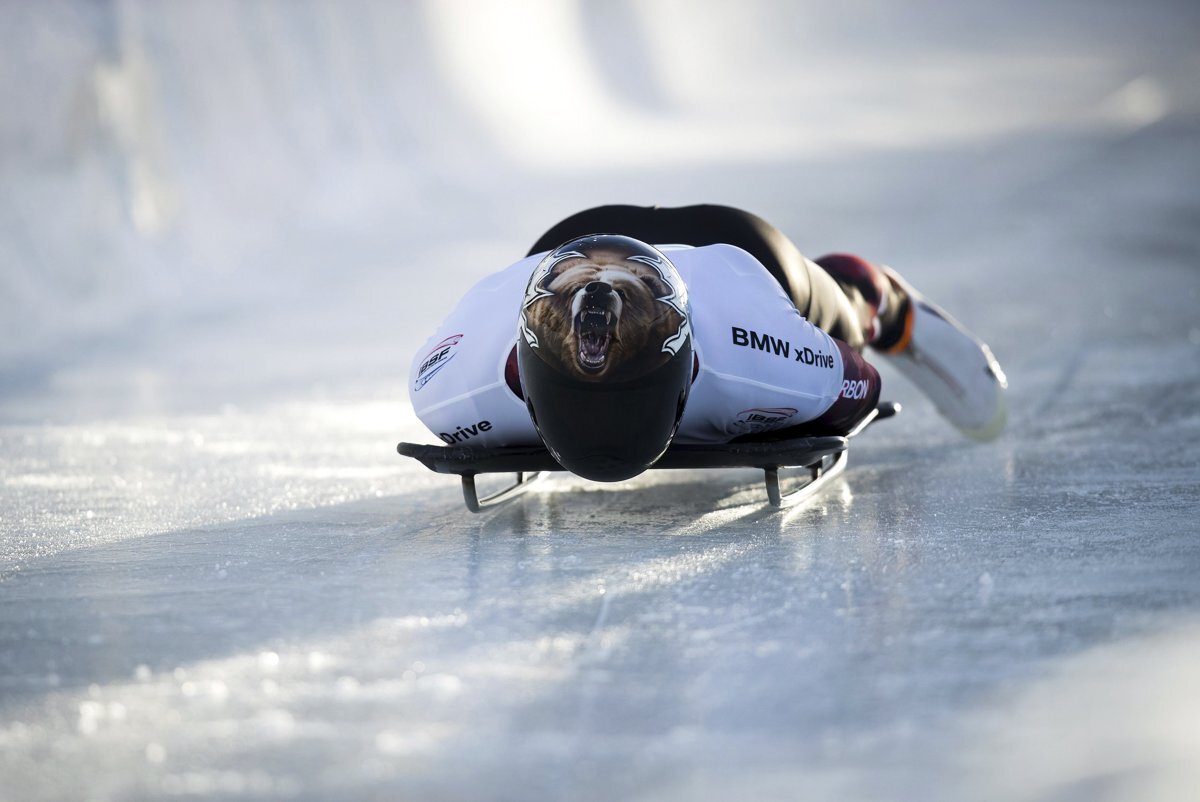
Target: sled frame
[(823, 457), (524, 483)]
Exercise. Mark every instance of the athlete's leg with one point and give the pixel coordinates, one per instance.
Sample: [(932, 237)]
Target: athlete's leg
[(882, 304), (824, 301)]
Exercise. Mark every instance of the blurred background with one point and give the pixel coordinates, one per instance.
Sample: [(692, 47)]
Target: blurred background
[(225, 227), (165, 164)]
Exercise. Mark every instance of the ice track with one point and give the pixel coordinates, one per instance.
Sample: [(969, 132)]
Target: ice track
[(225, 230)]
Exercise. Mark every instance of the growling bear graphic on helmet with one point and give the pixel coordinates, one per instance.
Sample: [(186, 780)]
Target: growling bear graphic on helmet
[(605, 308)]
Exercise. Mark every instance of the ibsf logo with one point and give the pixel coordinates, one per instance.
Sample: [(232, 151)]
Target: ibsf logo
[(761, 419), (437, 358)]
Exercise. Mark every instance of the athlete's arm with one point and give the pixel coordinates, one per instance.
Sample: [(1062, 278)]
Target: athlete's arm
[(765, 371), (458, 385)]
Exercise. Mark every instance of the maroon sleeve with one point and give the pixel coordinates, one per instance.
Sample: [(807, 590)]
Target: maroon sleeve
[(858, 396)]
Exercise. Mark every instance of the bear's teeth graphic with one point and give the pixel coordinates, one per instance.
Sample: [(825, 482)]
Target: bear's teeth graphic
[(593, 329)]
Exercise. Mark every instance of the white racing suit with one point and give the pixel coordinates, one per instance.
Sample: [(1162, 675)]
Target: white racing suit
[(761, 368)]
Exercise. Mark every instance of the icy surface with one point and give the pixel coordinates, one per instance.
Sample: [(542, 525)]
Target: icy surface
[(225, 227)]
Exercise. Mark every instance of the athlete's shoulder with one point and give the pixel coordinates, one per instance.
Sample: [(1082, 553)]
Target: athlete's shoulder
[(504, 280), (475, 336), (494, 299), (709, 267), (719, 253)]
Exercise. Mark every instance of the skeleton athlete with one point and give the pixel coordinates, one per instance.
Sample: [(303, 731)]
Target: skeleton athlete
[(607, 348)]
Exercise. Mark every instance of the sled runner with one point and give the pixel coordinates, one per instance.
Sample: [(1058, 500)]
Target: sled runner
[(823, 457)]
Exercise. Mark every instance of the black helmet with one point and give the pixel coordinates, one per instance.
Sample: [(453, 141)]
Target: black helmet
[(604, 351)]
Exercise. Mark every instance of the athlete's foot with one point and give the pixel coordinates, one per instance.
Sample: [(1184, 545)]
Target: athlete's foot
[(948, 364)]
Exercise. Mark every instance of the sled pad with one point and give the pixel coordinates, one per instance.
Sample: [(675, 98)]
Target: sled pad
[(824, 457)]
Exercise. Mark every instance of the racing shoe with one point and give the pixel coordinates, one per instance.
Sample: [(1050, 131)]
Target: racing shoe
[(951, 366)]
